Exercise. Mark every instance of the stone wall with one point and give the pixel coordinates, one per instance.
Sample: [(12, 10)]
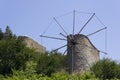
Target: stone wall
[(33, 44)]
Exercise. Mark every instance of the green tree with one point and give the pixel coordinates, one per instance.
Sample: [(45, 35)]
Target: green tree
[(50, 63), (8, 33), (106, 69), (13, 53)]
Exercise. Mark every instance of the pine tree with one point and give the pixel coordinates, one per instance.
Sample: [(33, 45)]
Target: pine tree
[(8, 33)]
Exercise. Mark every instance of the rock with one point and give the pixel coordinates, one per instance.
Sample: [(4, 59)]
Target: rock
[(32, 44)]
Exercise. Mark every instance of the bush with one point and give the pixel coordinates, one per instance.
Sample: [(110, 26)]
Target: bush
[(106, 69), (50, 63), (21, 75)]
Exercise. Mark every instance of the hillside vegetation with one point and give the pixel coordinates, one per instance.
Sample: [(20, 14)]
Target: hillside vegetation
[(18, 62)]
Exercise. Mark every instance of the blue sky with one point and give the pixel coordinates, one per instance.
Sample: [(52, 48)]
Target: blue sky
[(31, 17)]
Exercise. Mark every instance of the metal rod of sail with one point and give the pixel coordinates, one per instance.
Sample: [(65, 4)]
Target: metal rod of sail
[(60, 26), (103, 52), (72, 59), (53, 37), (73, 21), (65, 52), (97, 31), (86, 23), (59, 48), (63, 35)]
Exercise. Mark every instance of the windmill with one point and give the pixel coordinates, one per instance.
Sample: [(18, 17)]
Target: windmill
[(81, 53)]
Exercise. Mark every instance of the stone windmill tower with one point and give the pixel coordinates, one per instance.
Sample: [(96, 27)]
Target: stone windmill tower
[(81, 53)]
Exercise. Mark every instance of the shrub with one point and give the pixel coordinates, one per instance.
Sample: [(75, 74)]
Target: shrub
[(106, 69), (50, 63), (21, 75)]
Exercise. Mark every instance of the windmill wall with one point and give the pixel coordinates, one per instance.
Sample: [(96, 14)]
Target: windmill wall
[(84, 54)]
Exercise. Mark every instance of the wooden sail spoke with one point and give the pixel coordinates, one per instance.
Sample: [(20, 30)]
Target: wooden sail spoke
[(86, 23), (53, 37), (97, 31), (59, 48)]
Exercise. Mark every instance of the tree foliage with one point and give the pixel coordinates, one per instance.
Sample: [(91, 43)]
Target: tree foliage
[(8, 33), (1, 34), (13, 53), (21, 75), (106, 69), (50, 63)]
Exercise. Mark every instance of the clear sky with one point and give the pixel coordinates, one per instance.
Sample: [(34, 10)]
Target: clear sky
[(31, 18)]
